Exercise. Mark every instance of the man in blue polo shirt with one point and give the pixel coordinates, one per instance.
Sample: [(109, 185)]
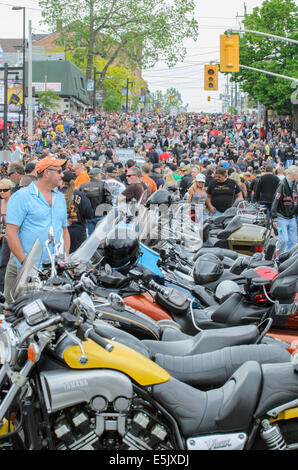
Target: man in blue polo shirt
[(30, 214)]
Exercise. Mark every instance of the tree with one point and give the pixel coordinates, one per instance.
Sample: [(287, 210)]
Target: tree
[(112, 102), (135, 31), (165, 101), (48, 99), (116, 78), (278, 17)]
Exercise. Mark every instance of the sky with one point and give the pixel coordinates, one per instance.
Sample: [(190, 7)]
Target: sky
[(213, 17)]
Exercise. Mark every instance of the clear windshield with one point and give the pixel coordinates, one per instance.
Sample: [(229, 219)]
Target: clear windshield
[(156, 225), (28, 271), (85, 252)]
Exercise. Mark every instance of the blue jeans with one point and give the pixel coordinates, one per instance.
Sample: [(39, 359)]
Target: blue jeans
[(217, 213), (91, 224), (287, 234)]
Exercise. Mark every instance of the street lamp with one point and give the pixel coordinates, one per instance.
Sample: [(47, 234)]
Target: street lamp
[(24, 56)]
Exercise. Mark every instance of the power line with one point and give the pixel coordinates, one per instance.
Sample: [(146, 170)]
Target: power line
[(14, 5)]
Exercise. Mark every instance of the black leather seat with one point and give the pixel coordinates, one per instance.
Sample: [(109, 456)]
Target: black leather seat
[(206, 341), (232, 312), (233, 225), (226, 409), (214, 368), (280, 386), (285, 285)]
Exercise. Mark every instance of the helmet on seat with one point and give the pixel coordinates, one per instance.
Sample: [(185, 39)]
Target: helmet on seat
[(225, 289), (161, 196), (121, 248), (207, 268)]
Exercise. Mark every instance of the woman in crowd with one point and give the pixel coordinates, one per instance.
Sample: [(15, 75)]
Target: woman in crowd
[(236, 177), (79, 209), (197, 197)]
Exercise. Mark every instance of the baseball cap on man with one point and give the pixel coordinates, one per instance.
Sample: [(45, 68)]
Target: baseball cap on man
[(46, 162), (68, 176), (95, 171), (111, 169)]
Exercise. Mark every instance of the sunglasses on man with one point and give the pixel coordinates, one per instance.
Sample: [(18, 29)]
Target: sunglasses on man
[(59, 170)]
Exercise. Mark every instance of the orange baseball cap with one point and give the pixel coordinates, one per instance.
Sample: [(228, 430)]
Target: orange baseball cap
[(46, 162)]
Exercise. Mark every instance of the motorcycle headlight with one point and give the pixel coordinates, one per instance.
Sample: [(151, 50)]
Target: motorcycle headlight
[(8, 344)]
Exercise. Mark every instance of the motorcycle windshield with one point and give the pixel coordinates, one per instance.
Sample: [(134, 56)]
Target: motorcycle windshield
[(28, 271), (155, 225), (85, 252)]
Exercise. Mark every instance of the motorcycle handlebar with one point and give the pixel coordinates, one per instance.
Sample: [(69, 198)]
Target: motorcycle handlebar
[(86, 331)]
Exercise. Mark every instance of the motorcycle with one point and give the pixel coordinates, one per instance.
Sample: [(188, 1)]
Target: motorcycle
[(126, 317), (241, 229), (241, 237), (63, 386), (142, 302)]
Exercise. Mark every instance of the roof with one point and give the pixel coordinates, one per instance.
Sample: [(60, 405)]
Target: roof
[(72, 79), (15, 44), (11, 45)]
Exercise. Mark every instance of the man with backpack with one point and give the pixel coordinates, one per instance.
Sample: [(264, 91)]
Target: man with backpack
[(99, 195)]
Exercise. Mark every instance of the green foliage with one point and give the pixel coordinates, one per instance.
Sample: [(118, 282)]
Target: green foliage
[(112, 102), (163, 102), (138, 32), (48, 99), (278, 17)]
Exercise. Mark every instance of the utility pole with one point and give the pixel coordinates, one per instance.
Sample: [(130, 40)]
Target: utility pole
[(127, 85), (30, 112), (95, 73), (237, 88), (5, 102)]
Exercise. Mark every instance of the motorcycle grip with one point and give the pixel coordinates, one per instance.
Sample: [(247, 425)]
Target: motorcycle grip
[(101, 341), (88, 332)]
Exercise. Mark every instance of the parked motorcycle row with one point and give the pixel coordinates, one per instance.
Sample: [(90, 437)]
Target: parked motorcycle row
[(158, 333)]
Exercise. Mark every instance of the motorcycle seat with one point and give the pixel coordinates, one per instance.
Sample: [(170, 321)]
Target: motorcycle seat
[(289, 268), (227, 215), (280, 385), (206, 341), (229, 408), (233, 311), (214, 368), (221, 253), (234, 225), (284, 286), (204, 296)]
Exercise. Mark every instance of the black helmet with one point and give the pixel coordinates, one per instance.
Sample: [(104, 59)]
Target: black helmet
[(121, 248), (161, 196), (207, 268)]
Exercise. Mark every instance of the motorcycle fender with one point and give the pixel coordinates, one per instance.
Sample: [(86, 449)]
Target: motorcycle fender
[(122, 358), (291, 413), (4, 429)]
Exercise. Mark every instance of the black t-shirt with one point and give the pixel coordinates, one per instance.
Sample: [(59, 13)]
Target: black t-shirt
[(266, 187), (80, 210), (223, 194)]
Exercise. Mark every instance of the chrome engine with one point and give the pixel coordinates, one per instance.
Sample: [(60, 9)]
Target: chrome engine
[(98, 409)]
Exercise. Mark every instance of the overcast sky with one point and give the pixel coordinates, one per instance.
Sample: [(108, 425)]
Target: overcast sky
[(187, 77)]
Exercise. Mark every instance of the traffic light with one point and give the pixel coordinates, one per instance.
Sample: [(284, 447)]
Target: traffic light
[(171, 98), (211, 77), (229, 53), (208, 98)]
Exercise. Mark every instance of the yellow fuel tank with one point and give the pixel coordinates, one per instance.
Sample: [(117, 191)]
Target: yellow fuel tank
[(122, 358)]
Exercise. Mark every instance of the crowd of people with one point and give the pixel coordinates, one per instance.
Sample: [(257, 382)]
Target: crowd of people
[(68, 174)]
